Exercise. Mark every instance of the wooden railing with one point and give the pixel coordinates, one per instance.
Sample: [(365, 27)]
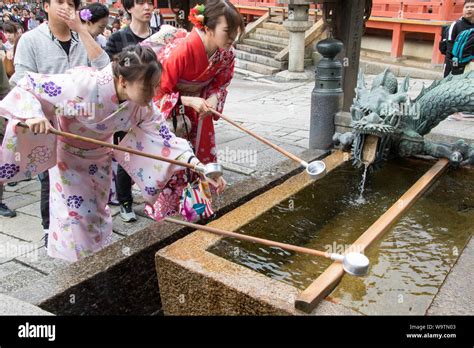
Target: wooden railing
[(441, 10), (262, 3), (444, 10)]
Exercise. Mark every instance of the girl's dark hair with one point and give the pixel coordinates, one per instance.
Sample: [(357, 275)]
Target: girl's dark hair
[(138, 63), (216, 8), (467, 1), (98, 11)]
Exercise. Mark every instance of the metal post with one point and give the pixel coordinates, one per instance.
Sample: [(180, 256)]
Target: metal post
[(327, 95)]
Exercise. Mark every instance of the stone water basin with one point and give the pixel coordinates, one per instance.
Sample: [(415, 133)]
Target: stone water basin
[(408, 264)]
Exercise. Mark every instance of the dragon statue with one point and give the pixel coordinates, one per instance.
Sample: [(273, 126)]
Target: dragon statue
[(395, 124)]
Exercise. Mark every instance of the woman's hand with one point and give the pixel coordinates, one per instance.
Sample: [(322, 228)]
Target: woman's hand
[(39, 125), (200, 105), (219, 184), (212, 102), (72, 20)]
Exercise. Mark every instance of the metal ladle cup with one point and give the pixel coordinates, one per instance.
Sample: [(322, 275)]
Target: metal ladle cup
[(316, 169), (355, 264), (211, 170)]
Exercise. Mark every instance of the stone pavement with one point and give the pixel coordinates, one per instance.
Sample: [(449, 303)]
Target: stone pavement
[(278, 111)]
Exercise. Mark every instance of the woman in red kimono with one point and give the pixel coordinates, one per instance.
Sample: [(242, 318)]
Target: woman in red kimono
[(197, 68)]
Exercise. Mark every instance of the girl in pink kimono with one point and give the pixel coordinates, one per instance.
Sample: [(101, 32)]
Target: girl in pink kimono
[(95, 104)]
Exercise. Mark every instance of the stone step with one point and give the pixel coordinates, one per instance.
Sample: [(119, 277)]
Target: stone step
[(248, 73), (271, 32), (257, 50), (265, 45), (270, 39), (273, 26), (257, 58), (256, 67), (276, 19)]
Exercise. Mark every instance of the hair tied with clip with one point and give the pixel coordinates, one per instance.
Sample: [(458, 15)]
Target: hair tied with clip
[(196, 16), (86, 14)]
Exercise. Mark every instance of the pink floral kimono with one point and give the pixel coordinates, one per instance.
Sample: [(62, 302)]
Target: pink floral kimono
[(83, 101)]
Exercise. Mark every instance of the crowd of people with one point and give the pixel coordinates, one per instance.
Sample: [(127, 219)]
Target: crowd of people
[(126, 81)]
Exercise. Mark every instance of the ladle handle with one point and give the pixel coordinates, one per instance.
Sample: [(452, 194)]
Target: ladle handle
[(116, 147), (263, 140), (250, 238)]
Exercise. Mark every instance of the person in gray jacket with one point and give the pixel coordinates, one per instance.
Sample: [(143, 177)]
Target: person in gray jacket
[(53, 48), (59, 45)]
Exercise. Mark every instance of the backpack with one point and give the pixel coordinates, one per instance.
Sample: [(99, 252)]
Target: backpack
[(463, 49), (443, 43)]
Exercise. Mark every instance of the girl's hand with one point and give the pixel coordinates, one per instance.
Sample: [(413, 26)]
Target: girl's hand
[(219, 184), (72, 19), (39, 125)]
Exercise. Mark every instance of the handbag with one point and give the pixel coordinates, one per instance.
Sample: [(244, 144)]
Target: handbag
[(196, 202)]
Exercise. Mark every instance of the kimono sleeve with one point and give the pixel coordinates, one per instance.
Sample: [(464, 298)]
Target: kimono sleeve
[(152, 135), (57, 89), (168, 95), (24, 154), (221, 81)]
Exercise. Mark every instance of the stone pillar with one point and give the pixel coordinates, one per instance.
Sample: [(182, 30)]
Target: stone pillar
[(296, 24), (327, 95)]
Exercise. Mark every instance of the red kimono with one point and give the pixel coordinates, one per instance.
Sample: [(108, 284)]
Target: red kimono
[(187, 71)]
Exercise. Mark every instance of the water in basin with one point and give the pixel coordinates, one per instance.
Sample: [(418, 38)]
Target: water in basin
[(408, 264)]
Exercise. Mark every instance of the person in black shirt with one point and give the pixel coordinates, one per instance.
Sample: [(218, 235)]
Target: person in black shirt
[(139, 29), (464, 23)]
